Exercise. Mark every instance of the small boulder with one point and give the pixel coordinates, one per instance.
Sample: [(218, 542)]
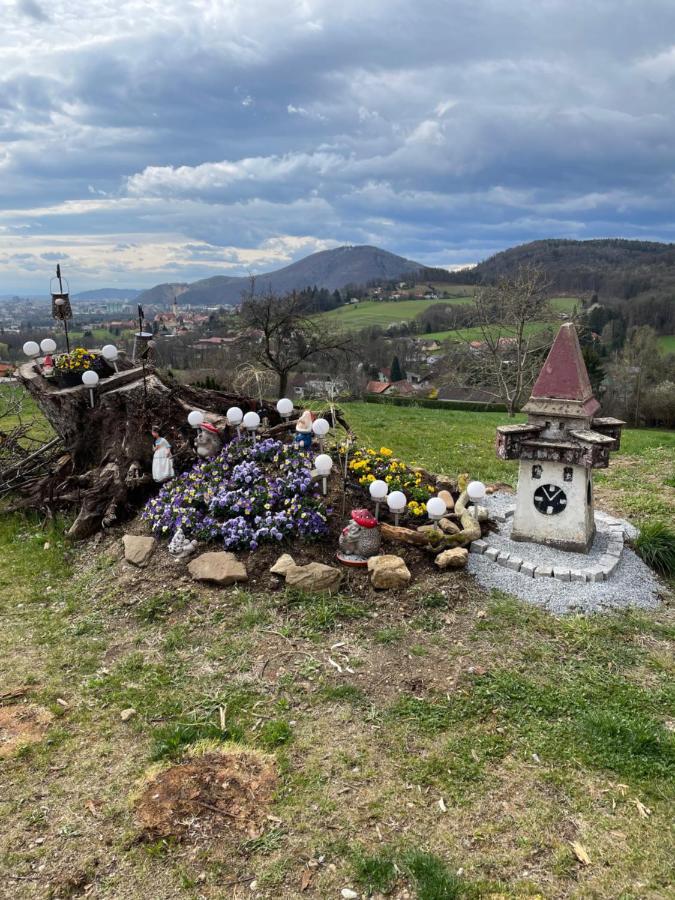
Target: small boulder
[(314, 578), (127, 714), (283, 564), (446, 497), (449, 527), (138, 548), (219, 567), (445, 483), (427, 529), (452, 559), (388, 572)]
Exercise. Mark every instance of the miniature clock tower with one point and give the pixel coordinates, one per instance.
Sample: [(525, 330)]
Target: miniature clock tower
[(558, 448)]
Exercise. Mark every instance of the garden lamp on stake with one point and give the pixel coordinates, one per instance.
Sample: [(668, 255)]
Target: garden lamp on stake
[(31, 349), (475, 491), (396, 501), (61, 308), (252, 423), (234, 417), (110, 354), (48, 346), (320, 427), (378, 491), (90, 380), (285, 408), (323, 465), (436, 509), (195, 418)]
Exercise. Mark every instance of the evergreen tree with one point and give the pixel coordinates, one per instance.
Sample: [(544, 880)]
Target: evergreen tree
[(397, 373)]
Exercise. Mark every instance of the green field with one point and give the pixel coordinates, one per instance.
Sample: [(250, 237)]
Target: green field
[(667, 343), (375, 312)]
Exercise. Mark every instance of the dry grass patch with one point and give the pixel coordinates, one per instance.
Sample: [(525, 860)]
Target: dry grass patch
[(20, 726)]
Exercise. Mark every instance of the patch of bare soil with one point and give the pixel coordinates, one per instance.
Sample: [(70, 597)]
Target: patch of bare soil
[(21, 725), (206, 793)]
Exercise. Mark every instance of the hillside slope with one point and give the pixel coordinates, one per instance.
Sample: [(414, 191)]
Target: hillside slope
[(330, 269)]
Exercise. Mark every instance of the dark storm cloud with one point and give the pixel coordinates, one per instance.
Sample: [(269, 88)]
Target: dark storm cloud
[(441, 130)]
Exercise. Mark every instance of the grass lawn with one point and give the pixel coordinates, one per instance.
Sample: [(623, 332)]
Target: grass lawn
[(442, 741), (372, 312), (667, 343)]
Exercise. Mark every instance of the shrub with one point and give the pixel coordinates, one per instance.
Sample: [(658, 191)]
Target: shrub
[(247, 495), (656, 545)]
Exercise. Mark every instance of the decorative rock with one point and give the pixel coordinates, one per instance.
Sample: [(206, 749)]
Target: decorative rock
[(503, 557), (449, 527), (595, 573), (446, 497), (427, 529), (456, 558), (283, 564), (314, 578), (561, 573), (543, 572), (127, 714), (492, 553), (514, 563), (478, 546), (444, 483), (608, 564), (388, 571), (577, 575), (138, 548), (348, 894), (219, 567), (614, 548), (528, 569)]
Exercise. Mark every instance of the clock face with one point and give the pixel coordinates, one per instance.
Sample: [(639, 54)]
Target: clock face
[(549, 499)]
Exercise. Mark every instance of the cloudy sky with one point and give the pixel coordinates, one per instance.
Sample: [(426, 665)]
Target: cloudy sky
[(168, 140)]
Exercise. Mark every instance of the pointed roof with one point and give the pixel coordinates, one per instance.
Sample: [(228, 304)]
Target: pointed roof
[(564, 377)]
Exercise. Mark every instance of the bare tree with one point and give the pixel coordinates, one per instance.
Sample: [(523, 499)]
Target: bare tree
[(507, 356), (289, 334)]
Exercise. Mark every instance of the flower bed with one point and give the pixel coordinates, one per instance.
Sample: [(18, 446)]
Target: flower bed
[(68, 367), (368, 465), (248, 495)]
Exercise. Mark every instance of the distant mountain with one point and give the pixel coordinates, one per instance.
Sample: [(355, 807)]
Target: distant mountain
[(330, 269), (108, 294), (612, 268)]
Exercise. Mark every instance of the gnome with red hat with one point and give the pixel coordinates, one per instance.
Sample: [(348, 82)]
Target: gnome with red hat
[(359, 539), (208, 441)]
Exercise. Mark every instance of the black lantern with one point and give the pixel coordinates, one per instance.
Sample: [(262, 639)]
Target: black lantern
[(61, 308)]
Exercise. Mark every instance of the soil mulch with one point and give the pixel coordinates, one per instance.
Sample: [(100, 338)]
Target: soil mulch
[(219, 789), (20, 725)]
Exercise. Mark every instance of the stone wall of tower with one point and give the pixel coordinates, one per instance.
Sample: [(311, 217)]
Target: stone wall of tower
[(574, 527)]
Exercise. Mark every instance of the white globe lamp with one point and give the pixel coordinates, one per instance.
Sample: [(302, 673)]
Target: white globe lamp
[(110, 353), (90, 380), (378, 491), (397, 502), (436, 509), (252, 423), (234, 417), (195, 418), (285, 407), (320, 427), (31, 349), (48, 346), (323, 465), (476, 492)]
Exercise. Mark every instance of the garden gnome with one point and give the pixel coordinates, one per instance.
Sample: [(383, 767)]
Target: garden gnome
[(208, 441), (48, 365), (303, 430), (180, 547), (162, 461), (359, 539)]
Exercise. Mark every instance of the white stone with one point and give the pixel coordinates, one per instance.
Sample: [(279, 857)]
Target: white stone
[(456, 558), (138, 548), (561, 573), (220, 567), (608, 564), (314, 578), (283, 564), (388, 572), (478, 546), (543, 572), (528, 569), (614, 548), (348, 894), (492, 553), (577, 575), (594, 573), (514, 563), (502, 557)]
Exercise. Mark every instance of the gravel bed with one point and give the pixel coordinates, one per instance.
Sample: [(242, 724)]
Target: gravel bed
[(632, 585)]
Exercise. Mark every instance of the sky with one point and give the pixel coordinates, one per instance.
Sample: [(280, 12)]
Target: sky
[(144, 141)]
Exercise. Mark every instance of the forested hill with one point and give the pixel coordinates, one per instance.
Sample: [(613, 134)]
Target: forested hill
[(612, 269)]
